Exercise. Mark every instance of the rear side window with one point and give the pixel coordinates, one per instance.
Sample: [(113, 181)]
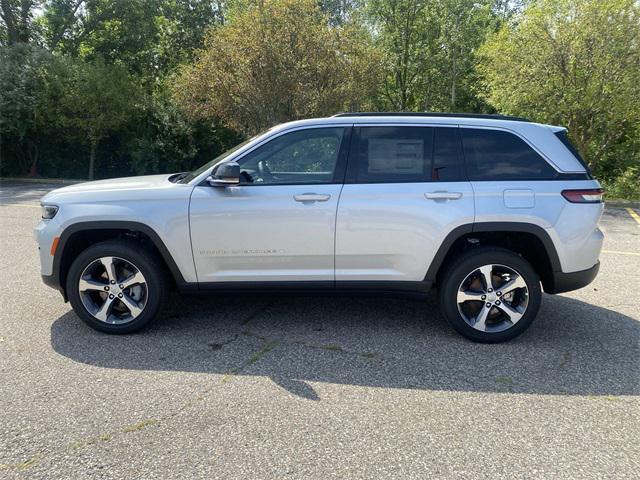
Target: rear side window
[(498, 155), (405, 154)]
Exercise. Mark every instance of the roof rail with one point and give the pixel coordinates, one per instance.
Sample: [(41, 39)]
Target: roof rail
[(432, 114)]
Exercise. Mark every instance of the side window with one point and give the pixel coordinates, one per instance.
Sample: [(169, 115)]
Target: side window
[(391, 154), (498, 155), (448, 164), (301, 157)]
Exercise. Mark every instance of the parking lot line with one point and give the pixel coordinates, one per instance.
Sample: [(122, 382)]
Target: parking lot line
[(634, 215), (618, 252)]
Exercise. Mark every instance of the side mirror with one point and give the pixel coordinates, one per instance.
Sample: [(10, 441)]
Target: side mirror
[(225, 175)]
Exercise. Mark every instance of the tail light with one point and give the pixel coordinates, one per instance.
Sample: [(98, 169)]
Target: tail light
[(592, 195)]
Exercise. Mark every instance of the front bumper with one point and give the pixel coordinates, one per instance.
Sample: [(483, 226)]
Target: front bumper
[(53, 281), (565, 282)]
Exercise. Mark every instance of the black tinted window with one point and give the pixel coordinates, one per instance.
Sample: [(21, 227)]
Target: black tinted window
[(447, 161), (392, 154), (498, 155)]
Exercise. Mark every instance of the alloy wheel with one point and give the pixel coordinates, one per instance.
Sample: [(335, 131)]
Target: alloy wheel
[(113, 290), (493, 298)]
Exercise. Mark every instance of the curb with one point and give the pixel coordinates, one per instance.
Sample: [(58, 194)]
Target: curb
[(622, 203), (55, 181)]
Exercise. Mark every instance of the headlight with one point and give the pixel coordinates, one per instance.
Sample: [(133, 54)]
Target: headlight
[(49, 211)]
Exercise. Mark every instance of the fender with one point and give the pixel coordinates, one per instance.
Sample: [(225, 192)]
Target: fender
[(539, 232), (56, 277)]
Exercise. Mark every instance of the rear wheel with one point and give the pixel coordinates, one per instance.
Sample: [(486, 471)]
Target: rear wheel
[(490, 295), (117, 286)]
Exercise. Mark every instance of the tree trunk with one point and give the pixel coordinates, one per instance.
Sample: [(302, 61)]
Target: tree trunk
[(92, 159), (33, 170), (453, 85)]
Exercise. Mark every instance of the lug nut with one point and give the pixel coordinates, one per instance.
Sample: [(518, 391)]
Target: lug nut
[(121, 287), (497, 302), (113, 282), (119, 295), (488, 305), (498, 293), (490, 290), (106, 289), (484, 297), (111, 295)]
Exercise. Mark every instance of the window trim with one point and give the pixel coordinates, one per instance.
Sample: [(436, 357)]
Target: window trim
[(352, 164)]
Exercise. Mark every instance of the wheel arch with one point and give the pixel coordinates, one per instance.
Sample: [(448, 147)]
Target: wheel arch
[(78, 236), (529, 240)]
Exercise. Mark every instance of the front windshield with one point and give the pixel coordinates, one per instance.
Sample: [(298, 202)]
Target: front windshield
[(193, 174)]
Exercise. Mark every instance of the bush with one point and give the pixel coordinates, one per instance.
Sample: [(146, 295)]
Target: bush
[(625, 186)]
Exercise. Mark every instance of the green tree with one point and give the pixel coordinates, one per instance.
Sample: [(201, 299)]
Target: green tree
[(99, 101), (573, 63), (275, 61), (30, 84), (430, 51), (16, 24), (149, 37)]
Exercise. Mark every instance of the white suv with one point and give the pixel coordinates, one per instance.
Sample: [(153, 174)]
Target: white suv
[(488, 209)]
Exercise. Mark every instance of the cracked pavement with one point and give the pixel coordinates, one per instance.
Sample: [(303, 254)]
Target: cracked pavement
[(281, 386)]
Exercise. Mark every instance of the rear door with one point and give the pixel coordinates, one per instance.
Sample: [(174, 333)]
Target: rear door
[(405, 190)]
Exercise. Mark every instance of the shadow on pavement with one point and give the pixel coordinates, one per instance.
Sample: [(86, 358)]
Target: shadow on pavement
[(573, 348)]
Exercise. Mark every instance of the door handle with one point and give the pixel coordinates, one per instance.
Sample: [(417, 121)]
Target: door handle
[(311, 197), (440, 195)]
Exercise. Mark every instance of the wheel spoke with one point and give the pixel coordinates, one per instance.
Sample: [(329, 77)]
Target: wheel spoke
[(86, 284), (511, 285), (486, 272), (110, 267), (480, 322), (131, 304), (470, 295), (104, 310), (513, 314), (133, 280)]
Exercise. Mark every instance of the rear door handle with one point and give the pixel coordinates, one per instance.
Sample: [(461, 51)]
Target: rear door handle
[(440, 195), (311, 197)]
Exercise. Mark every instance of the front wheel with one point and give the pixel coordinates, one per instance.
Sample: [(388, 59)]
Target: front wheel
[(116, 286), (490, 294)]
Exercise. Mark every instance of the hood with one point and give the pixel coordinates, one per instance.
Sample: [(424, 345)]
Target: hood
[(114, 186)]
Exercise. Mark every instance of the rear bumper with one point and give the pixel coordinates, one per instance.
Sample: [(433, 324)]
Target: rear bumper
[(565, 282)]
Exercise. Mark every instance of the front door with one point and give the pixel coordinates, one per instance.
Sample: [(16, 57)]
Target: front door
[(279, 223)]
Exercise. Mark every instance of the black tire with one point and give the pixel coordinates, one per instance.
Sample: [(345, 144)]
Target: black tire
[(147, 262), (472, 260)]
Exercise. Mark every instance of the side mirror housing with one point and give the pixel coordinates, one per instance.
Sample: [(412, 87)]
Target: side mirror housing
[(225, 175)]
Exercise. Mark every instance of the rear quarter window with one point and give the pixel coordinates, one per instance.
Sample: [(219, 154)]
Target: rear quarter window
[(564, 138), (498, 155)]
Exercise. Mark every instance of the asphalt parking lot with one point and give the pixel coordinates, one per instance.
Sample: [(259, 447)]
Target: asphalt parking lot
[(317, 387)]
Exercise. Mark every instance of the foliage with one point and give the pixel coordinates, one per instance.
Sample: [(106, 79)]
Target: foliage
[(626, 185), (430, 51), (97, 101), (574, 63), (17, 21), (168, 141), (278, 60)]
